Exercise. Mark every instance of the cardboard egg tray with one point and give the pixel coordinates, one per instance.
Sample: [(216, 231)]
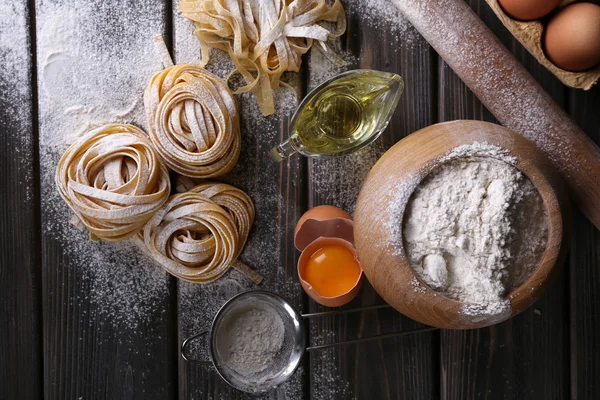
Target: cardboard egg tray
[(530, 34)]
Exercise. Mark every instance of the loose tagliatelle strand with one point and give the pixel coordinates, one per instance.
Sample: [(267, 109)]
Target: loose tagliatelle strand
[(264, 37), (193, 120), (113, 181), (197, 235)]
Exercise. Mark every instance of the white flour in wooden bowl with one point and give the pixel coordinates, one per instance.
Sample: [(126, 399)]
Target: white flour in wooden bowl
[(475, 228)]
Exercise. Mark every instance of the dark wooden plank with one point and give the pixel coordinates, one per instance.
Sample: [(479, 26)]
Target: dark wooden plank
[(20, 335), (525, 357), (278, 193), (109, 320), (585, 274), (404, 367)]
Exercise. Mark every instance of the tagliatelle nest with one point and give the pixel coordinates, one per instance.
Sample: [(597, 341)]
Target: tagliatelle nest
[(193, 120), (113, 180), (264, 37), (198, 235)]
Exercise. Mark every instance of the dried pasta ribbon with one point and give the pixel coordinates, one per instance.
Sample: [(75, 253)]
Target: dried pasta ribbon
[(264, 37), (237, 203), (113, 180), (194, 122), (199, 234)]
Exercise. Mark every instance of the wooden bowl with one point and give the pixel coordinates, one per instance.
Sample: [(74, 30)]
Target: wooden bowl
[(530, 34), (397, 174)]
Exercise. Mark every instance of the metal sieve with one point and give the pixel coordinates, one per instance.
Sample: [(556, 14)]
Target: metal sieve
[(287, 359)]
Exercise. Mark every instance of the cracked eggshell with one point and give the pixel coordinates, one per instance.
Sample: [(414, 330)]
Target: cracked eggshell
[(323, 221)]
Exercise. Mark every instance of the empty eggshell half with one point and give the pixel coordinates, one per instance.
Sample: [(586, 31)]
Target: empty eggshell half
[(323, 221), (338, 300)]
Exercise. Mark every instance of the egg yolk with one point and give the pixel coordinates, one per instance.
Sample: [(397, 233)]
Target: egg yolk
[(332, 270)]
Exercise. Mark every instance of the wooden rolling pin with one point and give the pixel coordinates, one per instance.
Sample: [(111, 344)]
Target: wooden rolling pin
[(510, 92)]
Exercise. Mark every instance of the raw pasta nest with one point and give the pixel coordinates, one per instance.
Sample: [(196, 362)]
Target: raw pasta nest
[(194, 122), (113, 180), (198, 235), (267, 37)]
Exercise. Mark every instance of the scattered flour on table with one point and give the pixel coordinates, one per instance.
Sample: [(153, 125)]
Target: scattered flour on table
[(92, 69), (475, 227), (15, 57), (337, 181), (382, 15), (326, 366), (15, 89), (123, 285), (186, 46)]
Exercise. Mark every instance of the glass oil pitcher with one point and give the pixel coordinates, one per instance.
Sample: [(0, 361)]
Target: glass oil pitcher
[(342, 114)]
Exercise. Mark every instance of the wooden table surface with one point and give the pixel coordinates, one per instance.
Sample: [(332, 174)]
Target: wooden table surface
[(58, 341)]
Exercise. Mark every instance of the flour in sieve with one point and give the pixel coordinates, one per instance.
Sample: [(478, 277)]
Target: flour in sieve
[(249, 339)]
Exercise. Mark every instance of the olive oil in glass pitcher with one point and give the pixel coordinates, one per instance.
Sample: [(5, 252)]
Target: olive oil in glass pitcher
[(342, 114)]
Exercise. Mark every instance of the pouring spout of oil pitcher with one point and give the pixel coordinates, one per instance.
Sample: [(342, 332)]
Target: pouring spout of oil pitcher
[(290, 146), (286, 149)]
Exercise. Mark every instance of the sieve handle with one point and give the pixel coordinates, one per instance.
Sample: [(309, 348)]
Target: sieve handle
[(364, 339), (184, 347), (345, 311), (368, 338)]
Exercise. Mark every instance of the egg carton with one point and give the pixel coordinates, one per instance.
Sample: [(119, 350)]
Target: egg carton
[(530, 34)]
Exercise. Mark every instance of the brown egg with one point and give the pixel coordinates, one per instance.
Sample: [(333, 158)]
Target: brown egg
[(527, 10), (572, 37)]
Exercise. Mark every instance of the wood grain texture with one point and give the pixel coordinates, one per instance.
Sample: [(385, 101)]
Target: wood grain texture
[(108, 320), (20, 316), (278, 193), (584, 290), (404, 367), (524, 357)]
